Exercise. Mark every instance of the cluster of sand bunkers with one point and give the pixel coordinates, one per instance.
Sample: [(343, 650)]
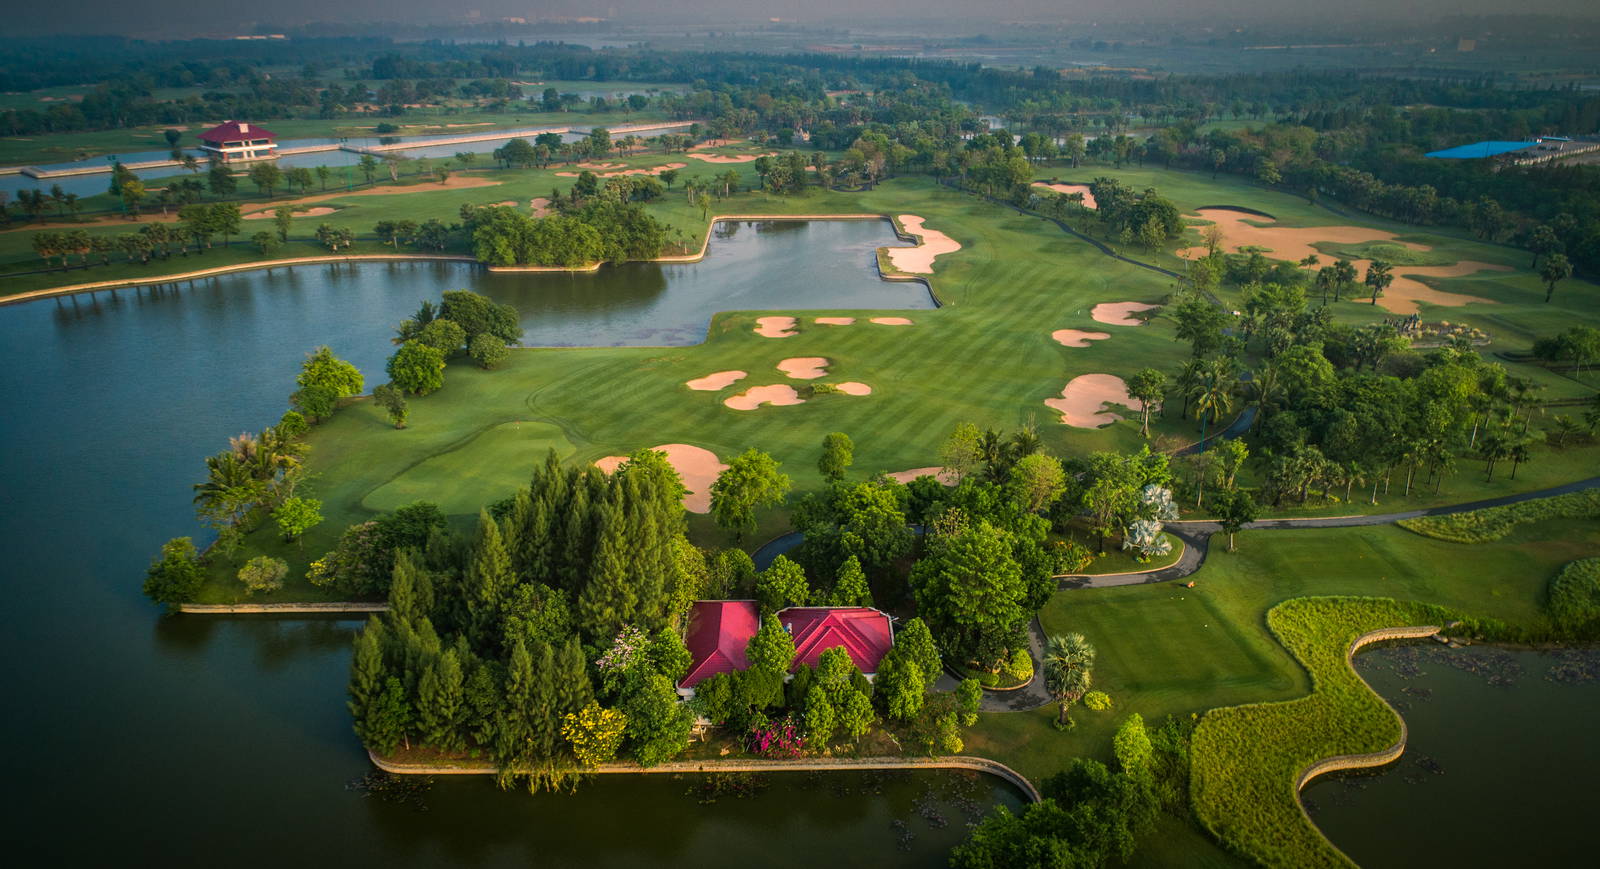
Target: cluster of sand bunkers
[(1083, 401), (794, 368)]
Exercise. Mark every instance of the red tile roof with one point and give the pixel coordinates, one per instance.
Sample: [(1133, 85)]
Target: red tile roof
[(718, 632), (231, 132), (863, 632)]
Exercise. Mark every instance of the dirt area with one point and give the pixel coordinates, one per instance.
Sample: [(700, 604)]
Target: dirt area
[(715, 381), (804, 367), (776, 327), (1117, 313), (1088, 198), (697, 466), (755, 396), (1083, 400), (919, 260), (1077, 337)]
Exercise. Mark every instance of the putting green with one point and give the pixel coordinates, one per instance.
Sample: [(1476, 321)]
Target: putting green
[(489, 466)]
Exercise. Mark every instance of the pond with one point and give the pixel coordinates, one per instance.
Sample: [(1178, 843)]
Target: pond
[(1498, 768), (213, 740)]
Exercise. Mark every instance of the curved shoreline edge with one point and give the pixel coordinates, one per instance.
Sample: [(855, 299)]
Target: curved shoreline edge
[(974, 764), (181, 277)]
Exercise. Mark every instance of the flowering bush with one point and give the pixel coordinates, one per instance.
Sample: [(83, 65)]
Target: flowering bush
[(594, 732), (779, 738), (628, 650), (1099, 701)]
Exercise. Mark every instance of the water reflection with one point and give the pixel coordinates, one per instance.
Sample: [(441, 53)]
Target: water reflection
[(276, 641)]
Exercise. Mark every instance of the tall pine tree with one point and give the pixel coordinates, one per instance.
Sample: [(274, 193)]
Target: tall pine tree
[(488, 579)]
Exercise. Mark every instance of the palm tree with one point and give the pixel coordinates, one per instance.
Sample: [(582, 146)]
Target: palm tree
[(1188, 378), (1214, 394), (1379, 276), (1266, 386), (1344, 277), (1067, 663)]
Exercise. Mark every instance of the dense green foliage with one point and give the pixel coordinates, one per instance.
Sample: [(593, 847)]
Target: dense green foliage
[(1493, 523), (1575, 597)]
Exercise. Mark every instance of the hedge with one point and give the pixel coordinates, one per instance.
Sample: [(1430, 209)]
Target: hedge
[(1247, 759), (1575, 596), (1493, 523)]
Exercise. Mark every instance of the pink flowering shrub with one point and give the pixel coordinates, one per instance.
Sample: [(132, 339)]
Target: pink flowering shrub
[(779, 738)]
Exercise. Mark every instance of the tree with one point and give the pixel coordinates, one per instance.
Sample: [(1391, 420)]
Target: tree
[(837, 455), (265, 242), (1379, 276), (1148, 386), (368, 165), (296, 516), (751, 480), (131, 191), (850, 587), (440, 703), (416, 368), (657, 725), (962, 452), (1068, 661), (595, 733), (220, 180), (900, 685), (487, 350), (265, 176), (1037, 481), (263, 573), (971, 588), (393, 401), (446, 336), (175, 577), (325, 370), (783, 584), (1132, 748), (1556, 269), (314, 402), (1235, 509)]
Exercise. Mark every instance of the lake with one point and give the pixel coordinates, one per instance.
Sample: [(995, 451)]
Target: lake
[(135, 737), (1501, 748)]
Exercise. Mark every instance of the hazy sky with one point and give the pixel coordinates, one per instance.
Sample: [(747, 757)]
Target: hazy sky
[(147, 16)]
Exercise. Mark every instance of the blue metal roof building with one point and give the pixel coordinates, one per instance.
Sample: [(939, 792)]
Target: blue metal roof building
[(1479, 149)]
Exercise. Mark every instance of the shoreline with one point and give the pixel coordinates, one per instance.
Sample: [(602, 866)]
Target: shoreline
[(181, 277), (973, 764), (334, 608)]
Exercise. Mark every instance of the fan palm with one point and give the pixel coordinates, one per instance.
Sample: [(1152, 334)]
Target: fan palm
[(1067, 663)]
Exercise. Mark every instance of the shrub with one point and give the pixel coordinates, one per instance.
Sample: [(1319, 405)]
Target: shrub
[(487, 350), (1493, 523), (1575, 595), (1099, 701), (263, 573), (1019, 667)]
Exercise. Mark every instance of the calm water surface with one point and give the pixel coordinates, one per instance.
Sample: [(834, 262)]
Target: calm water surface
[(1499, 767), (133, 737)]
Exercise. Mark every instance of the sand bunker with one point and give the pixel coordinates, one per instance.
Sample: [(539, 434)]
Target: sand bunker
[(601, 166), (540, 206), (775, 327), (1294, 243), (653, 170), (716, 381), (851, 387), (944, 476), (804, 367), (319, 211), (454, 182), (1088, 198), (755, 396), (1083, 400), (1117, 313), (1077, 337), (919, 260), (734, 158), (891, 321), (835, 321), (696, 465)]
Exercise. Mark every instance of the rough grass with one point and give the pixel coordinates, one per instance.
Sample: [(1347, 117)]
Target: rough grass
[(1493, 523), (1386, 251)]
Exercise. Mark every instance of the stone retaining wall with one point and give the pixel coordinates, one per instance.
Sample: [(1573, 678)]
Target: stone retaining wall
[(975, 764)]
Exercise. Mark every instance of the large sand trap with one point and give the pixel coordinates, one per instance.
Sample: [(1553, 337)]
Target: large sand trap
[(319, 211), (1077, 337), (1294, 243), (944, 476), (735, 158), (696, 465), (1083, 400), (919, 260), (1117, 313), (1088, 198), (755, 396), (851, 387), (891, 321), (715, 381), (653, 170), (835, 321), (775, 327), (804, 367)]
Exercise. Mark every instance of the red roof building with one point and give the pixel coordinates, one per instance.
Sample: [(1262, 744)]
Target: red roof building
[(719, 631), (237, 140)]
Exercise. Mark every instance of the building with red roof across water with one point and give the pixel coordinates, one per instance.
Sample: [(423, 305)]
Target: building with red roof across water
[(719, 631), (236, 140)]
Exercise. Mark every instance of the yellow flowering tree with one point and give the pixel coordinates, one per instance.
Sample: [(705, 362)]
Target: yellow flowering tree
[(594, 732)]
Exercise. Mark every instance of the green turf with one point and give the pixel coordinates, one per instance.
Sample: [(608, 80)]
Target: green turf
[(498, 459), (1387, 251)]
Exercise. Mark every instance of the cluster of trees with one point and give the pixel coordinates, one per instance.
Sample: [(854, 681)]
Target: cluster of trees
[(198, 224), (609, 226), (463, 323)]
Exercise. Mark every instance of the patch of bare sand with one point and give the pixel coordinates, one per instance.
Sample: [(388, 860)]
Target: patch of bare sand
[(540, 206), (697, 466), (730, 158), (715, 381), (653, 170), (318, 211), (454, 182), (852, 387), (804, 367), (835, 321), (1082, 402), (943, 475), (919, 260), (776, 327), (1403, 295), (1117, 313), (602, 167), (1088, 197), (752, 398), (891, 321), (1077, 337)]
